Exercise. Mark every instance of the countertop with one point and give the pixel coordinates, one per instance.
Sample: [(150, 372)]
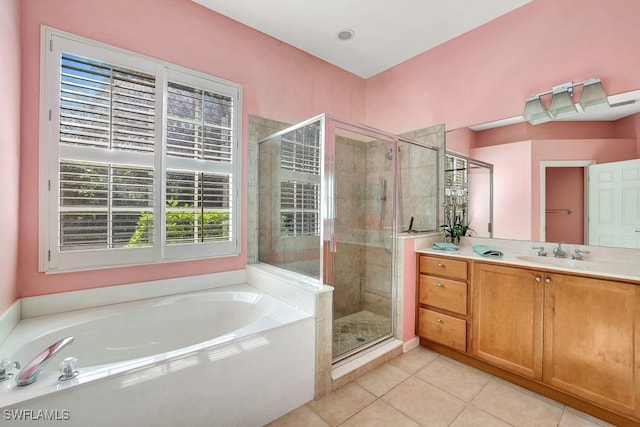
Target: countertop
[(611, 263)]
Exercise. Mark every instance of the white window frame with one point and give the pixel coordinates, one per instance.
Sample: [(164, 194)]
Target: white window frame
[(51, 260)]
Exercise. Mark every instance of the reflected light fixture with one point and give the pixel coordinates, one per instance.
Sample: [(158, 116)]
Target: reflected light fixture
[(534, 111), (562, 102), (593, 97)]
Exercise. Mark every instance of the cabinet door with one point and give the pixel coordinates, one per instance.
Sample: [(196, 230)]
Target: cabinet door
[(507, 318), (592, 335)]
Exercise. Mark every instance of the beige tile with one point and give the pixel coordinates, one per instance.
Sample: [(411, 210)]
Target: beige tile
[(343, 380), (462, 381), (516, 407), (474, 417), (414, 360), (393, 354), (574, 418), (424, 403), (382, 379), (531, 393), (303, 416), (336, 407), (380, 414), (375, 363)]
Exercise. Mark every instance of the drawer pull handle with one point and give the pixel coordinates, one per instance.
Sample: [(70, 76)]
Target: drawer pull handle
[(440, 285), (440, 265), (547, 281), (439, 320), (538, 279)]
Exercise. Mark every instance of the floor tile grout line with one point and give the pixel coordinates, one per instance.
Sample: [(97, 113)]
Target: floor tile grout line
[(564, 408)]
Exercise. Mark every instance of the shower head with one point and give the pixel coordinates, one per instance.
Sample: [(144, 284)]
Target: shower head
[(389, 155)]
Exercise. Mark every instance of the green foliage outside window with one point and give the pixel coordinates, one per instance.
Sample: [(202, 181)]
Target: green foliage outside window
[(181, 226)]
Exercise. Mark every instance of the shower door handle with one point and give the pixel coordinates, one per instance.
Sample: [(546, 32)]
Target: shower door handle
[(333, 244)]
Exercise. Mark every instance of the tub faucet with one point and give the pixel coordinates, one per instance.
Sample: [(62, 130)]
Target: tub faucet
[(29, 373), (559, 252)]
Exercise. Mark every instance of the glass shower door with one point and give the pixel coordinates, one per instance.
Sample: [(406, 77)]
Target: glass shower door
[(361, 237)]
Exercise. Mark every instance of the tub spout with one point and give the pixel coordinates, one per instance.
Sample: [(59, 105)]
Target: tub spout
[(29, 373)]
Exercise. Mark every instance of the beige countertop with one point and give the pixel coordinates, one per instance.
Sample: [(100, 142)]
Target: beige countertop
[(611, 263)]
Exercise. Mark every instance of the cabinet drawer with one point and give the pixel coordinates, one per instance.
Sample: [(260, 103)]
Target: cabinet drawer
[(443, 293), (455, 269), (443, 329)]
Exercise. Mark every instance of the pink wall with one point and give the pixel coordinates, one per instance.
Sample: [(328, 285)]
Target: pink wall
[(511, 188), (629, 127), (279, 82), (481, 76), (487, 73), (9, 148)]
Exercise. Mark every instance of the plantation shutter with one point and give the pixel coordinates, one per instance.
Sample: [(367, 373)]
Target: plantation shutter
[(139, 159), (199, 156), (106, 137), (300, 182)]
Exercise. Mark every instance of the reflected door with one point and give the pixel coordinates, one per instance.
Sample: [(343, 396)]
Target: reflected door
[(614, 204)]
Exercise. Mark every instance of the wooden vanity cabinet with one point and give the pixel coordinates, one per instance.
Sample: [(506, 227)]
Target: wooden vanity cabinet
[(442, 296), (507, 318), (592, 340), (577, 334)]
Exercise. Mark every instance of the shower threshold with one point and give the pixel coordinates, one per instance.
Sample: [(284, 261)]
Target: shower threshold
[(386, 348)]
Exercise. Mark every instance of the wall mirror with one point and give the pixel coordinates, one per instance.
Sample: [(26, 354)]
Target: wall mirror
[(575, 180)]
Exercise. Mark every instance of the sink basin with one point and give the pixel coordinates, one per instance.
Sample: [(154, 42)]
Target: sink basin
[(602, 267), (556, 262)]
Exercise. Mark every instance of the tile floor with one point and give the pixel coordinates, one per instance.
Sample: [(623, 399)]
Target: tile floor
[(358, 329), (423, 388)]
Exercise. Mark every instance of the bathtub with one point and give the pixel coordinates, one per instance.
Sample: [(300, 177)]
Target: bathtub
[(233, 356)]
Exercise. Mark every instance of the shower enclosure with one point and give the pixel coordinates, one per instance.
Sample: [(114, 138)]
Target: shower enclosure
[(332, 197), (468, 193)]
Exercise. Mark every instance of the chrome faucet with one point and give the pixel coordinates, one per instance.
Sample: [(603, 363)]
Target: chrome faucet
[(29, 373), (578, 254), (541, 251), (559, 252)]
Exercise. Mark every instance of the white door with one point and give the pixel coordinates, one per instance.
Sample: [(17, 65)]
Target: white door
[(614, 204)]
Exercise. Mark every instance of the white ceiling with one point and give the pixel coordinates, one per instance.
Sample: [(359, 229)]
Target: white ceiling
[(386, 32)]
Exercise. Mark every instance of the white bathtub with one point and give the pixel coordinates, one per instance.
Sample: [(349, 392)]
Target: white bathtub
[(229, 356)]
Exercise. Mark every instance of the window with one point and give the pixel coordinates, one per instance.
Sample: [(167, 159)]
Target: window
[(141, 159)]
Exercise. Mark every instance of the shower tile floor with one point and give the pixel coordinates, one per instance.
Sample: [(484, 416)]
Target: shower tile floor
[(356, 329)]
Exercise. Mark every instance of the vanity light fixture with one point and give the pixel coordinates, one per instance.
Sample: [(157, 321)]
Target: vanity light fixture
[(534, 111), (593, 97), (562, 101)]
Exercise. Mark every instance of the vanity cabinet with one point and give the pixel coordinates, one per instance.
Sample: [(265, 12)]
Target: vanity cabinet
[(577, 334), (442, 296), (558, 333), (507, 318), (592, 340)]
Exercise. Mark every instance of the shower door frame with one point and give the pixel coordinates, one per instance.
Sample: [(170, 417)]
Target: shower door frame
[(331, 239)]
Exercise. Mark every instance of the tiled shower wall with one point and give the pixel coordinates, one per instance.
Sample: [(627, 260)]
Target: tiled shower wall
[(259, 128), (351, 188)]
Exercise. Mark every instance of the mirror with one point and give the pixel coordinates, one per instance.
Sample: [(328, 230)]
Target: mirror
[(541, 190)]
